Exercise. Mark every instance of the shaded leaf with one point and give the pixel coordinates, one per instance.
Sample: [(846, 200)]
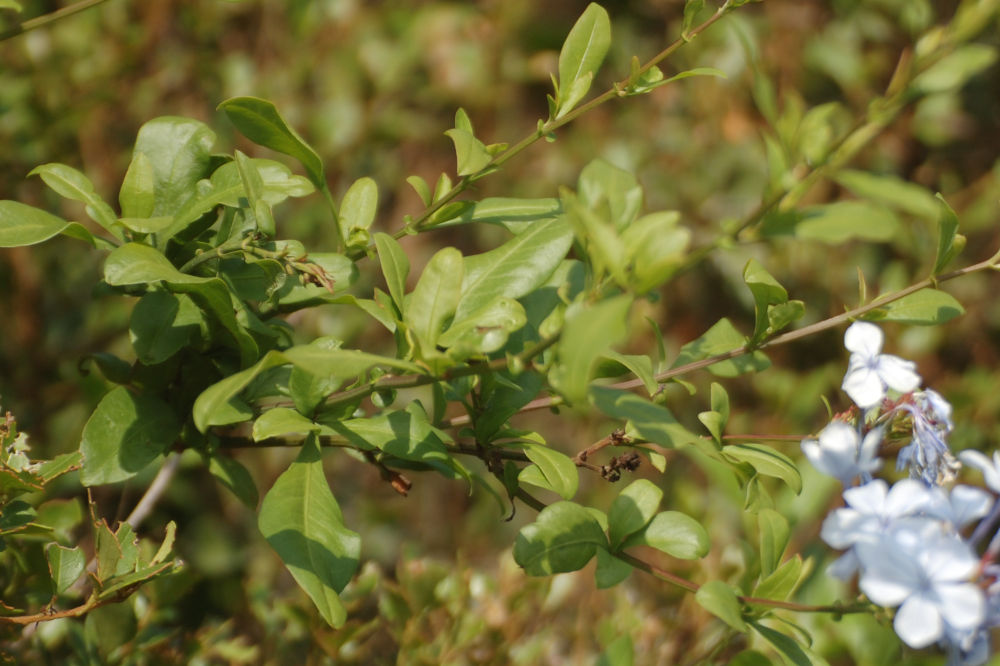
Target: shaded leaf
[(564, 537), (590, 330), (652, 422), (125, 433), (395, 267), (234, 476), (720, 339), (65, 565), (435, 297), (610, 570), (950, 242)]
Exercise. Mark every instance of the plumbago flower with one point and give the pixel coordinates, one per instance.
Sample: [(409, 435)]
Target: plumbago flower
[(905, 542), (870, 372)]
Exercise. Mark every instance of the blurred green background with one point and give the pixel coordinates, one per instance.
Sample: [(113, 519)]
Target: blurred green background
[(373, 85)]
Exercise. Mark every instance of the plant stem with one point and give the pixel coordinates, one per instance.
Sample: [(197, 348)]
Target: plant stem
[(45, 19)]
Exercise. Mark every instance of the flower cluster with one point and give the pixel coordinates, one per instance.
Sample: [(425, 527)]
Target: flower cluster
[(906, 543)]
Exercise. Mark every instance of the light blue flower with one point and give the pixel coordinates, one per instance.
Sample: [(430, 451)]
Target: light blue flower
[(927, 573), (989, 468), (870, 372), (840, 452), (927, 455)]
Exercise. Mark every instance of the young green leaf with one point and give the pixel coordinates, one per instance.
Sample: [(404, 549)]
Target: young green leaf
[(652, 422), (581, 55), (926, 307), (564, 537), (357, 211), (774, 535), (766, 292), (719, 599), (955, 69), (435, 297), (137, 196), (721, 338), (471, 154), (781, 582), (259, 121), (843, 220), (889, 190), (302, 521), (632, 510), (950, 242), (674, 533), (767, 461), (552, 470), (126, 432), (395, 267), (589, 332), (253, 188)]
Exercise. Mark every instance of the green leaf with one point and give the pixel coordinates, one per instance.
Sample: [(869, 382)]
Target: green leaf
[(719, 599), (137, 196), (750, 658), (590, 330), (515, 215), (516, 268), (553, 470), (395, 267), (766, 292), (302, 521), (406, 435), (73, 185), (484, 331), (774, 535), (435, 297), (259, 121), (653, 422), (767, 461), (357, 211), (21, 224), (639, 365), (610, 570), (180, 152), (471, 154), (162, 324), (125, 433), (134, 263), (843, 220), (234, 476), (108, 550), (11, 4), (721, 338), (955, 69), (674, 533), (564, 537), (612, 192), (781, 583), (219, 402), (655, 247), (632, 510), (281, 421), (581, 55), (791, 652), (65, 565), (926, 307), (950, 242), (691, 9), (253, 188), (889, 190)]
